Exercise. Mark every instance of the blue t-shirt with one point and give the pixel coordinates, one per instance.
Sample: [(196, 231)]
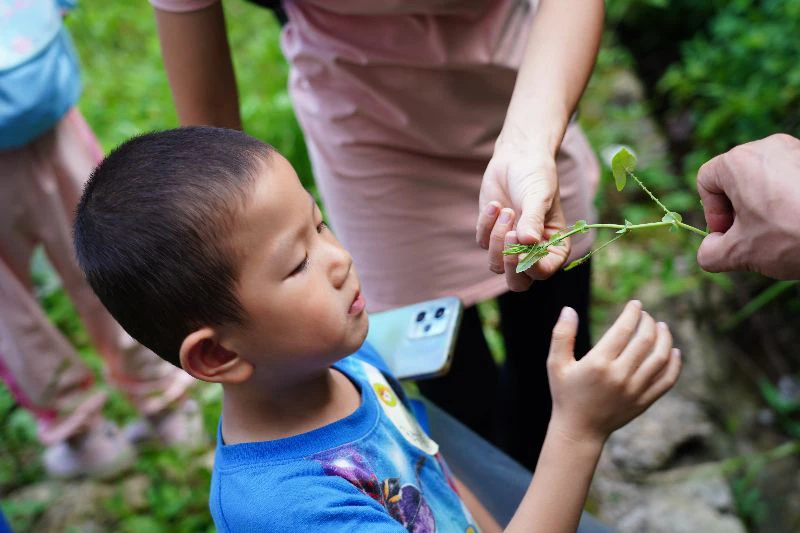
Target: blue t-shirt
[(375, 470)]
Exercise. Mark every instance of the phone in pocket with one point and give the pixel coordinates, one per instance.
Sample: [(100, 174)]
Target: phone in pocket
[(417, 341)]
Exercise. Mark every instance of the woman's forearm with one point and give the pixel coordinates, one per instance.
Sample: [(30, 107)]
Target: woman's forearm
[(197, 59), (558, 61), (557, 493)]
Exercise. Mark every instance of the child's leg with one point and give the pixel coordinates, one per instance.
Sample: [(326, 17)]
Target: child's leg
[(150, 383), (36, 361)]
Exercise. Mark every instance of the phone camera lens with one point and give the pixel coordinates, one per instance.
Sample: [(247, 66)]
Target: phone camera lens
[(421, 316), (440, 312)]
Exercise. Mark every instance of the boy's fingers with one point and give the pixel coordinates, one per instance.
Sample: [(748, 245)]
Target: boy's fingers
[(640, 345), (666, 381), (656, 362), (562, 345), (516, 282), (618, 335), (486, 219), (497, 240)]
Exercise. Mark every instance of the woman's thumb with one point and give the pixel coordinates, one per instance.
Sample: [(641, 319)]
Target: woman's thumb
[(562, 345)]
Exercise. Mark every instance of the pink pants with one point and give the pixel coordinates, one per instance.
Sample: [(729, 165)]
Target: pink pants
[(40, 185)]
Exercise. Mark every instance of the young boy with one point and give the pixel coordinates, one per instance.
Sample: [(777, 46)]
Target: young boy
[(206, 248)]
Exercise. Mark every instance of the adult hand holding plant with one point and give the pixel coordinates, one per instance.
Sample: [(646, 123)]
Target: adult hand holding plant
[(751, 199), (521, 180), (525, 256)]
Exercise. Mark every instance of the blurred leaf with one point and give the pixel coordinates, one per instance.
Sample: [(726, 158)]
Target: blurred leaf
[(622, 163)]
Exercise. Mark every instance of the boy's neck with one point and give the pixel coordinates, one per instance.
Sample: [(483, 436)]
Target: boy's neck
[(253, 411)]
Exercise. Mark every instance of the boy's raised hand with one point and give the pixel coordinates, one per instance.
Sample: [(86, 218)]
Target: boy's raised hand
[(632, 366)]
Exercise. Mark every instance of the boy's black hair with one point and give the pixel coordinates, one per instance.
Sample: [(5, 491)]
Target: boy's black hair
[(151, 231)]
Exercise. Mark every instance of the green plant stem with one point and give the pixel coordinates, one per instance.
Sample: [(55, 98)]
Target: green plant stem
[(656, 200), (693, 229), (630, 227)]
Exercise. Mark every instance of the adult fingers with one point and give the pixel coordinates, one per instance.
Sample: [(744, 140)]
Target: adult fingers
[(497, 240), (713, 182), (486, 220), (536, 201), (716, 252), (516, 282)]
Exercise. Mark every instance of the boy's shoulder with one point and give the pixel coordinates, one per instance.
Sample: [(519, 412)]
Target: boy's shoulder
[(358, 472)]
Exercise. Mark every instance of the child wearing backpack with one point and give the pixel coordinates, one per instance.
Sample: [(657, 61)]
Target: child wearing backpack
[(47, 151)]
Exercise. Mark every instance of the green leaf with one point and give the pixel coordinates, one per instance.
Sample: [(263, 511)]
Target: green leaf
[(622, 163), (672, 216), (578, 262), (580, 225), (531, 259)]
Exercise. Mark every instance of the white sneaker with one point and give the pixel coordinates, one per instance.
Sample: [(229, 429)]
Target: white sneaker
[(100, 452)]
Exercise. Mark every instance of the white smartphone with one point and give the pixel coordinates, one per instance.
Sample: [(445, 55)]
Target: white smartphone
[(417, 341)]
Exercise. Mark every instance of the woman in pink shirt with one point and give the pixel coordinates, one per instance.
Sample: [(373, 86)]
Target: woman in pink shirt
[(433, 124)]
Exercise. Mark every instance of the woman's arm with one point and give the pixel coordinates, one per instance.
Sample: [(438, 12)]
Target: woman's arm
[(561, 52), (558, 61), (197, 58)]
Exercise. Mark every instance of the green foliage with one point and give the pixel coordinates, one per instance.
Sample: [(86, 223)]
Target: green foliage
[(126, 90), (623, 163), (741, 78)]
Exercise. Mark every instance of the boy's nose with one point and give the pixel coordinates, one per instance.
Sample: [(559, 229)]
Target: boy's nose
[(341, 263)]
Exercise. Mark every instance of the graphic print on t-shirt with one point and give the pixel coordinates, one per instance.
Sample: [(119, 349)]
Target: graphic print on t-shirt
[(404, 502)]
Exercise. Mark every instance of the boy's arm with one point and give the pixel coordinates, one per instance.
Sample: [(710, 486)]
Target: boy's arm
[(197, 59), (485, 520), (632, 366)]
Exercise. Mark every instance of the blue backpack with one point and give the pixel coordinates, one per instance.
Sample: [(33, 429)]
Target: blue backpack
[(39, 71)]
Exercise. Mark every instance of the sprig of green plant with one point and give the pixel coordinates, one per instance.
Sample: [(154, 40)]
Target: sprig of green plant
[(622, 166)]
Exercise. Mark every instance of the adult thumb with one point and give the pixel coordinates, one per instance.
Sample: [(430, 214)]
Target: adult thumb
[(714, 254), (530, 227), (562, 345)]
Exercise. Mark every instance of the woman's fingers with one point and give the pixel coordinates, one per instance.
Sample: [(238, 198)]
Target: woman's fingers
[(497, 239), (516, 282), (486, 220)]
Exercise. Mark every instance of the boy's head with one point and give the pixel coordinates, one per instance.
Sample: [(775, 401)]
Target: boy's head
[(205, 247)]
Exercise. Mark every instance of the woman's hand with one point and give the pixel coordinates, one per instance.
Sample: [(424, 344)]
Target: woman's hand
[(522, 181)]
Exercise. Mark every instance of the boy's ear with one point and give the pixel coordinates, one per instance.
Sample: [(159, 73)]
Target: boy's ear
[(204, 358)]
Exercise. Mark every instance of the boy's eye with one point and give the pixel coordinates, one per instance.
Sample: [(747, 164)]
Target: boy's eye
[(321, 227), (300, 268)]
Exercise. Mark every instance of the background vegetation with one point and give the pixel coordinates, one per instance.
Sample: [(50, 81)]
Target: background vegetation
[(712, 74)]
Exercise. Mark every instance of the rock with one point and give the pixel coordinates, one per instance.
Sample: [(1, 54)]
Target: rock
[(651, 441), (682, 500), (678, 516)]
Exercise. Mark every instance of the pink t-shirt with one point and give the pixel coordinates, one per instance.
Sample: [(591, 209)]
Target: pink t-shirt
[(401, 102)]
